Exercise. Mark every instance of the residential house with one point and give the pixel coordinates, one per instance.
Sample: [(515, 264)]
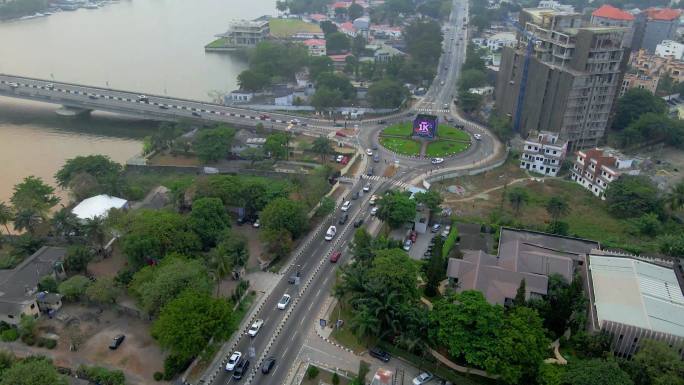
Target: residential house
[(523, 255), (98, 207), (339, 61), (543, 153), (384, 53), (484, 91), (244, 33), (553, 4), (19, 286), (609, 16), (654, 66), (283, 95), (317, 18), (635, 298), (316, 47), (348, 29), (670, 48), (384, 31), (238, 96), (646, 82), (308, 35), (596, 168)]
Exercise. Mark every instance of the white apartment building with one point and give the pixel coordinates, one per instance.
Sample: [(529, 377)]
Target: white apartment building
[(670, 48), (595, 169), (543, 153)]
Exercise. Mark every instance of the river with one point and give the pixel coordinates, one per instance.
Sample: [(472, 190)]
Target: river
[(151, 46)]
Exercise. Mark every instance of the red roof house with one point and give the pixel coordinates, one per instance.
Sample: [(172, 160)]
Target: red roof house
[(609, 12)]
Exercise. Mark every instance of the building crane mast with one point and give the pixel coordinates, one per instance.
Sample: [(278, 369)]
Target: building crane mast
[(531, 41)]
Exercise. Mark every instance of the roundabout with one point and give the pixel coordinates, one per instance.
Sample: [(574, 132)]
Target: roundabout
[(404, 139)]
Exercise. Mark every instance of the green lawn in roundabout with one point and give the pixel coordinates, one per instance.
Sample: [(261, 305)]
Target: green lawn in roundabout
[(401, 145), (449, 141)]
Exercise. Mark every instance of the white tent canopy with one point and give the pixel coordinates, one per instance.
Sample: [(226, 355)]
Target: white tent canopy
[(98, 206)]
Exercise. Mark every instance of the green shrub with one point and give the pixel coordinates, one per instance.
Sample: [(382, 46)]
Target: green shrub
[(158, 376), (335, 379), (450, 241), (174, 365), (312, 372), (102, 376), (50, 343), (28, 339), (9, 335)]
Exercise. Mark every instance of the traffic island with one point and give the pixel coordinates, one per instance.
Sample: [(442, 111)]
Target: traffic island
[(420, 138)]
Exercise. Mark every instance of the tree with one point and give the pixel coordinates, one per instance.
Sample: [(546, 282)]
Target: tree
[(326, 206), (208, 220), (251, 80), (326, 98), (431, 199), (253, 154), (520, 298), (103, 171), (33, 371), (671, 244), (517, 197), (354, 11), (328, 27), (561, 301), (233, 246), (362, 246), (278, 241), (674, 198), (77, 259), (557, 207), (103, 291), (632, 196), (469, 101), (337, 42), (472, 78), (278, 59), (73, 288), (319, 65), (28, 220), (424, 41), (392, 271), (396, 208), (322, 146), (213, 144), (155, 286), (48, 283), (656, 363), (635, 103), (276, 145), (595, 372), (473, 59), (648, 224), (6, 216), (33, 195), (151, 234), (558, 228), (386, 93), (340, 12), (336, 82), (436, 268), (64, 222), (96, 233), (187, 323), (312, 372), (283, 213), (282, 5)]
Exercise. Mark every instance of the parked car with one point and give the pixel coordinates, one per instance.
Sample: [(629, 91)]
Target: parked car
[(413, 236), (233, 360), (343, 219), (345, 160), (339, 158), (437, 160), (407, 245), (346, 205), (256, 224), (282, 304), (374, 211), (330, 234), (256, 326), (116, 341), (358, 223), (355, 195), (334, 257), (373, 200), (436, 227), (241, 369), (379, 354), (422, 378), (267, 365), (446, 231), (367, 187)]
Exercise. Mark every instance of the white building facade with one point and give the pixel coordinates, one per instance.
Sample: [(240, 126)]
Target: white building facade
[(670, 48), (595, 169), (543, 153)]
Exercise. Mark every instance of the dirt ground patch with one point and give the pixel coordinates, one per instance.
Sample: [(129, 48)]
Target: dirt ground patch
[(254, 244), (475, 184), (173, 160), (139, 356), (110, 266)]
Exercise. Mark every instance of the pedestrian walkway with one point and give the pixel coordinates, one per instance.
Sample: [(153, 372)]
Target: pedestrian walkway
[(430, 110), (377, 178)]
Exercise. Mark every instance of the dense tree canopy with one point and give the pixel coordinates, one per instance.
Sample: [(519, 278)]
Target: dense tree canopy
[(656, 364), (424, 41), (277, 145), (187, 323), (251, 80), (35, 196), (337, 42), (632, 196), (76, 171), (633, 104), (396, 208), (32, 371), (208, 220), (596, 372), (283, 213), (213, 144), (386, 93), (252, 193)]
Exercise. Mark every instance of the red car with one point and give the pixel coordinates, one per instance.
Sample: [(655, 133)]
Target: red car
[(335, 256), (413, 236), (340, 133), (345, 160), (264, 117)]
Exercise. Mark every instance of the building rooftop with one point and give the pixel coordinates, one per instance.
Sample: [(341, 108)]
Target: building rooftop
[(637, 293), (314, 42), (19, 284), (97, 206), (663, 14), (609, 12)]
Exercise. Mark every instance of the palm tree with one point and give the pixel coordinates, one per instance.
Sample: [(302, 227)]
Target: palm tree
[(6, 215), (557, 207), (95, 231), (64, 222), (518, 197), (27, 220), (322, 147), (365, 324), (675, 198)]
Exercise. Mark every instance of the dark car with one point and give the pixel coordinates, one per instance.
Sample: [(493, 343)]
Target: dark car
[(343, 219), (358, 223), (268, 365), (293, 277), (382, 121), (380, 354), (374, 146), (118, 340), (370, 172), (355, 195), (241, 369), (195, 113)]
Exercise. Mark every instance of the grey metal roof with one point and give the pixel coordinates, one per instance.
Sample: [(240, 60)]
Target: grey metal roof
[(638, 293), (19, 284)]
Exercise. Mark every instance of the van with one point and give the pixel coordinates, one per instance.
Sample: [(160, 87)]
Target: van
[(343, 219), (330, 234)]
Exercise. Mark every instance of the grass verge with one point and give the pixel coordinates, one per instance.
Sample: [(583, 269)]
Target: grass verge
[(399, 129), (445, 148), (448, 132), (401, 146), (344, 335), (284, 28)]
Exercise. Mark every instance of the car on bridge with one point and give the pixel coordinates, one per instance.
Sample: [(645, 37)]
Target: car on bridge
[(143, 99), (282, 304), (264, 117), (13, 85)]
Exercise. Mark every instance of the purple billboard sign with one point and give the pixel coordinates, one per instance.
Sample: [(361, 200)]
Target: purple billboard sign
[(425, 126)]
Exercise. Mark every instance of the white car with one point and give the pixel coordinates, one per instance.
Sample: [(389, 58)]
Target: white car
[(345, 206), (374, 211), (422, 378), (282, 304), (256, 224), (339, 158), (256, 326), (142, 98), (367, 187), (369, 152), (330, 234), (407, 245), (233, 361), (13, 84), (50, 86), (437, 160), (477, 136), (446, 231)]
